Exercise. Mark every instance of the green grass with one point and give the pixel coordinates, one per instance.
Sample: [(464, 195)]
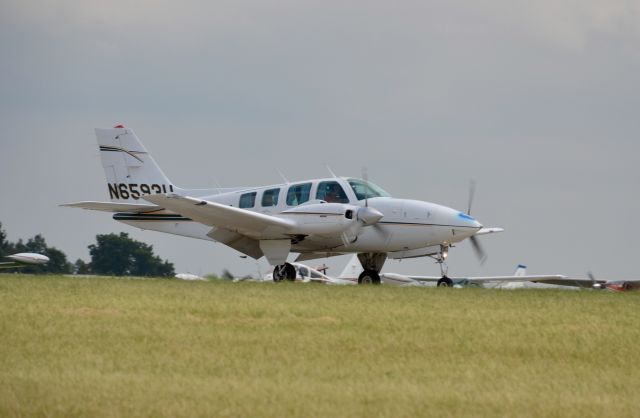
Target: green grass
[(163, 348)]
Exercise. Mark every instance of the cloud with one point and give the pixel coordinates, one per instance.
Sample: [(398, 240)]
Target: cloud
[(528, 95), (568, 24)]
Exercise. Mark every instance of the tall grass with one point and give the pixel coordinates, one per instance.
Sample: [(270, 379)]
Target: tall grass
[(163, 348)]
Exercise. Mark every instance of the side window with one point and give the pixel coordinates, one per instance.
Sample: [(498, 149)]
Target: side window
[(248, 200), (270, 197), (298, 194), (331, 192)]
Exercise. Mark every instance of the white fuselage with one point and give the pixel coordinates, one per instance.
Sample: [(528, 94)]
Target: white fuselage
[(407, 226), (29, 258)]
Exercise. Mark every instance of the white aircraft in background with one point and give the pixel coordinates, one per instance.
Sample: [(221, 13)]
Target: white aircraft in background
[(188, 276), (516, 281), (308, 274), (519, 280), (316, 218), (23, 260)]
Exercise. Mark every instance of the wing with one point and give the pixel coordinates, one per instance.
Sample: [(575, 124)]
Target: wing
[(536, 279), (250, 224), (113, 207), (404, 278), (10, 265), (550, 279)]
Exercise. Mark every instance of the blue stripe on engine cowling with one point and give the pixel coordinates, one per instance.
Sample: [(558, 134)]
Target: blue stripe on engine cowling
[(465, 216)]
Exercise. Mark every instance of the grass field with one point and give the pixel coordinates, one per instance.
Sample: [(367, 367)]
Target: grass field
[(164, 348)]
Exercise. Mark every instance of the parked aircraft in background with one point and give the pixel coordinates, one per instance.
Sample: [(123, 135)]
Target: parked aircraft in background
[(308, 274), (519, 280), (188, 276), (613, 285), (23, 260), (316, 218)]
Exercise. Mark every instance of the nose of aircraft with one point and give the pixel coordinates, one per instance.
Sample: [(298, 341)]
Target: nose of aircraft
[(467, 221)]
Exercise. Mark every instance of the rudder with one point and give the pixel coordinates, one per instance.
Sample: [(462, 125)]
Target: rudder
[(130, 170)]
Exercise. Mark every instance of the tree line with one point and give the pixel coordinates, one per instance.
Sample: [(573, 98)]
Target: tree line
[(112, 254)]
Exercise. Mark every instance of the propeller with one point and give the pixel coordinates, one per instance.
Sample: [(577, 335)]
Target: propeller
[(594, 284), (472, 194), (481, 254), (367, 215), (477, 248), (365, 177)]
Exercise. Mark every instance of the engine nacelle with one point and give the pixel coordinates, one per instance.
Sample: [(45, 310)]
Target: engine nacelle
[(323, 218)]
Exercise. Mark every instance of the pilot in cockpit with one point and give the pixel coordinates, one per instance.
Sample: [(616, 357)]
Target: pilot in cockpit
[(332, 194)]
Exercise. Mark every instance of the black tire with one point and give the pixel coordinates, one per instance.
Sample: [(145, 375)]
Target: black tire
[(284, 271), (290, 272), (445, 282), (369, 277)]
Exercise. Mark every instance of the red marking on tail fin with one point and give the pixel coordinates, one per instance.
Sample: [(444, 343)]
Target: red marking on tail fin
[(119, 126)]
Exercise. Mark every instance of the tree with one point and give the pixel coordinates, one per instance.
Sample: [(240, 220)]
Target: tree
[(57, 264), (6, 247), (80, 267), (119, 255)]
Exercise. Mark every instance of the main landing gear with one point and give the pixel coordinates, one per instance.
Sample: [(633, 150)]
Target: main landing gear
[(369, 277), (445, 282), (284, 271), (372, 264)]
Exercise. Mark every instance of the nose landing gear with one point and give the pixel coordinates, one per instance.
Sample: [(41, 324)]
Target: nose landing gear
[(444, 268)]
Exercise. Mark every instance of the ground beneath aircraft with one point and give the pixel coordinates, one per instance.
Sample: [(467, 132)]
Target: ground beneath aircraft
[(116, 347)]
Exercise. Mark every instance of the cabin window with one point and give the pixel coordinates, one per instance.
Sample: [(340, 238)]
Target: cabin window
[(248, 200), (331, 192), (270, 197), (298, 194)]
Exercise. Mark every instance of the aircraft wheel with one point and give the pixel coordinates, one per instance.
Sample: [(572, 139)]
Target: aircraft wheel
[(369, 277), (284, 271), (445, 282)]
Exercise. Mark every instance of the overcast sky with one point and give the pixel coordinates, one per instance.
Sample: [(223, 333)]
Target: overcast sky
[(537, 101)]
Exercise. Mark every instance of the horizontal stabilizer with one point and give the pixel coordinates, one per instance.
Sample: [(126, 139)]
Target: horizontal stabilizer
[(113, 207)]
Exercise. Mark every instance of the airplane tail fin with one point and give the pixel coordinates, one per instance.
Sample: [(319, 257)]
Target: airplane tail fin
[(130, 170), (521, 270), (352, 270)]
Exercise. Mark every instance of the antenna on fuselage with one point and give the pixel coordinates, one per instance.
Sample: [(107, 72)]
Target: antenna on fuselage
[(331, 172), (215, 179), (286, 180)]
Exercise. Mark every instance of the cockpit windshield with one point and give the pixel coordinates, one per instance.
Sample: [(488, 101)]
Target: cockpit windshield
[(366, 190)]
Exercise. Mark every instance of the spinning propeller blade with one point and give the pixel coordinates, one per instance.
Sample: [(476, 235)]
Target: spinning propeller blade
[(472, 194), (365, 177), (475, 244), (478, 250)]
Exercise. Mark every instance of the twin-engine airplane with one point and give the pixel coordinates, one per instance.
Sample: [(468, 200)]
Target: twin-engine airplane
[(23, 260), (315, 218)]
